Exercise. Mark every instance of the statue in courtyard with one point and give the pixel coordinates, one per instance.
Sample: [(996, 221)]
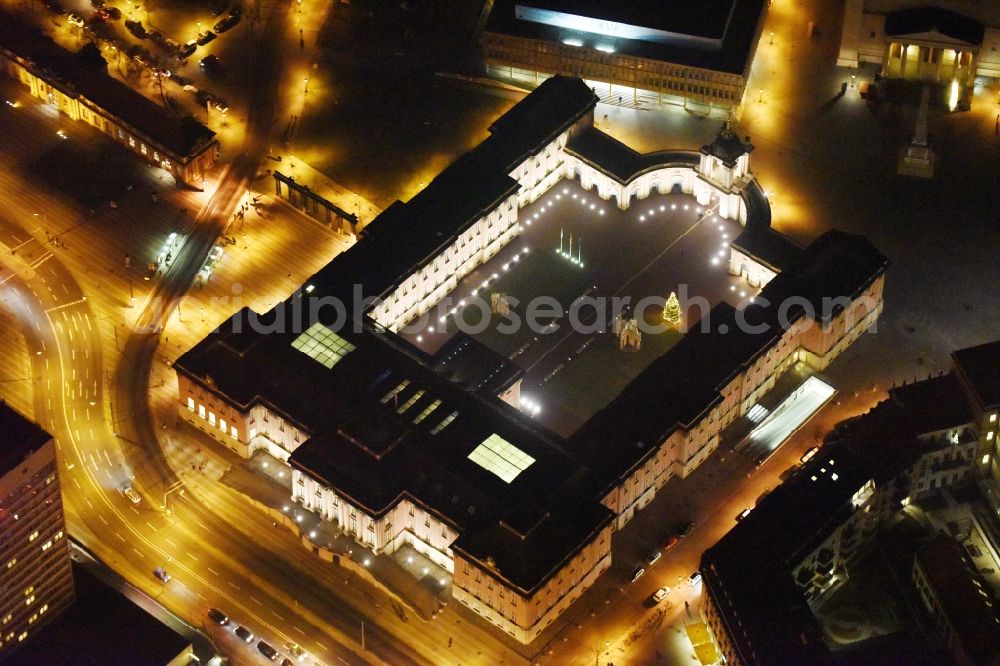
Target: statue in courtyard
[(499, 304)]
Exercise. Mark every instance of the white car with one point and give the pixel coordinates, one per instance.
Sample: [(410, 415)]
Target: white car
[(661, 594), (75, 19), (694, 579), (132, 495)]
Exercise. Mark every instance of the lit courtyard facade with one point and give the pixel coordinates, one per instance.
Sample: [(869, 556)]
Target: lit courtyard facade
[(401, 446)]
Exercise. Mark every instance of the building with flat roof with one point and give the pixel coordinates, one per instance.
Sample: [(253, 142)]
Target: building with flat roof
[(965, 614), (765, 579), (36, 580), (104, 626), (78, 85), (910, 39), (692, 53), (400, 446)]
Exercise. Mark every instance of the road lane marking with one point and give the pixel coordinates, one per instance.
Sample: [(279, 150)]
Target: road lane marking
[(138, 553), (201, 595), (89, 503), (234, 585), (150, 525), (120, 537), (103, 519), (322, 647), (135, 509), (192, 556), (77, 482), (298, 630), (210, 569), (170, 542), (277, 616), (256, 600)]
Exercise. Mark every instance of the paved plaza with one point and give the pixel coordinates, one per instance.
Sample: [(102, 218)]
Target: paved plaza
[(610, 260)]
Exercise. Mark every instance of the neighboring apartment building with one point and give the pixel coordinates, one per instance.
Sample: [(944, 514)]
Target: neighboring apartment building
[(79, 86), (801, 540), (392, 444), (36, 580), (700, 53), (966, 617), (936, 42)]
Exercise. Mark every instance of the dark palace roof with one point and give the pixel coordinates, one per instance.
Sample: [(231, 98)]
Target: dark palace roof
[(619, 161), (738, 20), (374, 455), (979, 367), (407, 235), (727, 146), (475, 367), (85, 74), (20, 438), (934, 19), (769, 247)]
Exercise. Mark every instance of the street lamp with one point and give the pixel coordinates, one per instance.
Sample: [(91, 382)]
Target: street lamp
[(305, 91), (760, 96), (772, 38)]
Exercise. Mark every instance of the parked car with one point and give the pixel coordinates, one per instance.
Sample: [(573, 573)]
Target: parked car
[(653, 558), (671, 541), (684, 529), (206, 37), (226, 24), (161, 574), (661, 594), (132, 495), (217, 616), (54, 7), (265, 649), (694, 579), (187, 49), (296, 650), (637, 574), (236, 11), (245, 634), (743, 514), (808, 455), (136, 29), (75, 19)]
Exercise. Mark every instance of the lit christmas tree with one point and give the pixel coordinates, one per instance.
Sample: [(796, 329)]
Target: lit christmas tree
[(672, 311)]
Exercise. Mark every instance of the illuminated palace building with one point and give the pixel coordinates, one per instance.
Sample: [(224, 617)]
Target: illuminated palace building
[(945, 41), (399, 446), (699, 53), (36, 580), (79, 86)]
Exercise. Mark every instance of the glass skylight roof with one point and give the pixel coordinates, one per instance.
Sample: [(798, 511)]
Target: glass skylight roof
[(323, 345), (499, 456)]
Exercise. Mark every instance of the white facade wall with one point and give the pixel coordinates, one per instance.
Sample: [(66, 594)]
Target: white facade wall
[(405, 523), (755, 273)]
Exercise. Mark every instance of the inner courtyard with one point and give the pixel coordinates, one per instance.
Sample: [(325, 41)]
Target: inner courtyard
[(589, 261)]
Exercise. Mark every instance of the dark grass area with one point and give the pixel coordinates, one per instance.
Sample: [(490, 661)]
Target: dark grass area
[(421, 27), (594, 377), (539, 273), (92, 173)]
